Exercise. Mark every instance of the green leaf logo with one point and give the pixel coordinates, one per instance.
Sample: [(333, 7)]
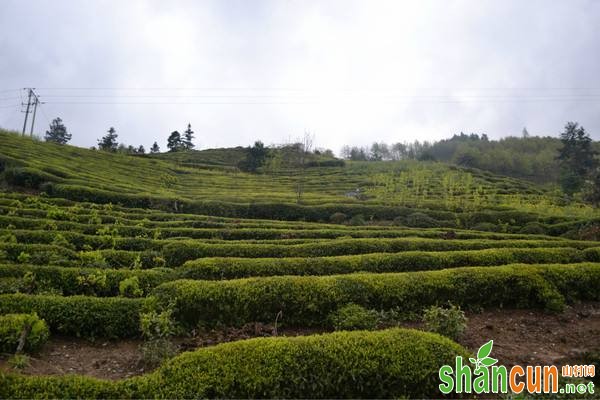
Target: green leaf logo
[(483, 360), (485, 350)]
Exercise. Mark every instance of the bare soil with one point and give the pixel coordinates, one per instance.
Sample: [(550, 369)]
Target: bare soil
[(520, 337)]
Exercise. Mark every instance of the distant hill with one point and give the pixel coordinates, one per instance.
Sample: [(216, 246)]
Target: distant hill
[(533, 158), (207, 182)]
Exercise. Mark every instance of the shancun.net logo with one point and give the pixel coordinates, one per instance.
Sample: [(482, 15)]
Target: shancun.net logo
[(484, 376)]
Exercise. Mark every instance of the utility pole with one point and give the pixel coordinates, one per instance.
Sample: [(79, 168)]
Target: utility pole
[(35, 105), (27, 110)]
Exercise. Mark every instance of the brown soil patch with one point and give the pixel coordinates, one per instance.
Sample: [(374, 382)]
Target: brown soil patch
[(520, 337), (103, 359), (533, 337)]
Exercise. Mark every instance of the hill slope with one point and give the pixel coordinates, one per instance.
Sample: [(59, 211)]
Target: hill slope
[(447, 195)]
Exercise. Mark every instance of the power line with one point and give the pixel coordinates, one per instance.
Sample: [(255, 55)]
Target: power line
[(355, 88)]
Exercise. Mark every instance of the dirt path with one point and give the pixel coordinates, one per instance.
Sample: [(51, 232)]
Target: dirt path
[(520, 337)]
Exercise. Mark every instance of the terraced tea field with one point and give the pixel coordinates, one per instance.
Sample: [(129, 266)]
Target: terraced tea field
[(115, 251)]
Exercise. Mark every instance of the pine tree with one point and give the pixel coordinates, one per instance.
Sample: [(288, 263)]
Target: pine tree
[(174, 142), (188, 137), (109, 142), (57, 133), (155, 149), (577, 157)]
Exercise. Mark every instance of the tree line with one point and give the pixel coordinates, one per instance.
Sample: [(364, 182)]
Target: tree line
[(57, 133)]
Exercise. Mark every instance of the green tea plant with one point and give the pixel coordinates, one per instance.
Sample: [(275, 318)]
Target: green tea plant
[(354, 316), (448, 321), (92, 283), (157, 329), (130, 287), (23, 257)]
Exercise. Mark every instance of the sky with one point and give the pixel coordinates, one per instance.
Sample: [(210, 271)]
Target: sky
[(348, 72)]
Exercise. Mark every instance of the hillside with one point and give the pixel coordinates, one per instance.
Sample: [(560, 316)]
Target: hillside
[(448, 195), (138, 270)]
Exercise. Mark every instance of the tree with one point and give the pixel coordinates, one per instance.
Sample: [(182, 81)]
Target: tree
[(301, 151), (525, 133), (398, 151), (154, 149), (140, 150), (174, 142), (256, 156), (109, 141), (576, 157), (358, 154), (188, 137), (57, 133), (379, 152)]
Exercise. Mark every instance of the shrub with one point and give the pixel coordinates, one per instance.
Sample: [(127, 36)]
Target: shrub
[(26, 177), (450, 321), (23, 258), (92, 259), (112, 317), (534, 228), (11, 327), (357, 220), (33, 279), (231, 268), (420, 220), (157, 329), (91, 283), (308, 300), (394, 363), (130, 287), (353, 316), (486, 227), (176, 253), (399, 221), (338, 218)]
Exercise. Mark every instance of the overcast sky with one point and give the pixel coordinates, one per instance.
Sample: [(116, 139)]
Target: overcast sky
[(351, 72)]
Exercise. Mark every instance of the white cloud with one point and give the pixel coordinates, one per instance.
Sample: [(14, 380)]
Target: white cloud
[(353, 71)]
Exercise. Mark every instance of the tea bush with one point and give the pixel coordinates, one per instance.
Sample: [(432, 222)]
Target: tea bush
[(112, 317), (447, 321), (231, 268), (176, 253), (393, 363), (308, 300), (11, 327), (353, 316)]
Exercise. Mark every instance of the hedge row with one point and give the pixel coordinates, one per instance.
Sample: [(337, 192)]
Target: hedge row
[(395, 363), (28, 177), (281, 211), (308, 300), (110, 317), (131, 218), (76, 281), (76, 230), (99, 282), (80, 241), (45, 254), (177, 253), (232, 268), (37, 253)]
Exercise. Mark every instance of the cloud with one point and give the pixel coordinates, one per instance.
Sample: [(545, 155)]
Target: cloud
[(350, 71)]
